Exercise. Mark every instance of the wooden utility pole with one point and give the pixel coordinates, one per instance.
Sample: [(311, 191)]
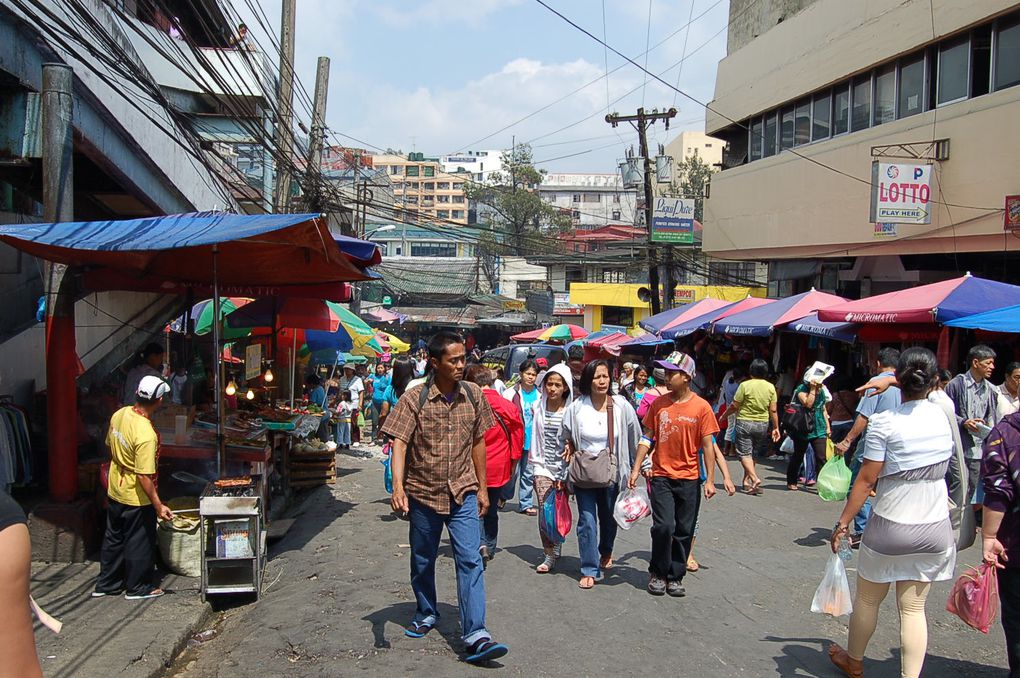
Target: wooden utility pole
[(641, 122), (285, 105), (317, 136)]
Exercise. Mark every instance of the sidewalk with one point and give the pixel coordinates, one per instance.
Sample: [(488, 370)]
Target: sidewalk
[(112, 636)]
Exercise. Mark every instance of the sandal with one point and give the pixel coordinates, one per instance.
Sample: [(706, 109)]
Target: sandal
[(586, 583), (418, 629), (854, 668), (547, 565), (692, 565), (792, 487), (606, 562)]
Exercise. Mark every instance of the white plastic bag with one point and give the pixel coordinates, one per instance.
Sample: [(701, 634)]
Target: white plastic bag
[(833, 594), (787, 446), (631, 507)]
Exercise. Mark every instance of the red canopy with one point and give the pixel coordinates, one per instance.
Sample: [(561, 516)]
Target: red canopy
[(105, 279)]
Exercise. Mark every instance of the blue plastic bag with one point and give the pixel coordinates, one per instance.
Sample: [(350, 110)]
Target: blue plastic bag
[(547, 519), (387, 475)]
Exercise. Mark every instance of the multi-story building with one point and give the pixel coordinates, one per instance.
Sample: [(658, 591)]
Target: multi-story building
[(690, 143), (423, 190), (479, 164), (813, 92), (591, 200)]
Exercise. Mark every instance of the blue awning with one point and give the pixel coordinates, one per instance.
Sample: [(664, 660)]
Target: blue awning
[(999, 320), (812, 326)]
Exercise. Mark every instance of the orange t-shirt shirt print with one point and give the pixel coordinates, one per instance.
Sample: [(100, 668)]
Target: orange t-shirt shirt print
[(678, 429)]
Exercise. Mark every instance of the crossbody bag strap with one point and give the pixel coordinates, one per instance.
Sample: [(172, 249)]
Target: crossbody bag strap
[(611, 417)]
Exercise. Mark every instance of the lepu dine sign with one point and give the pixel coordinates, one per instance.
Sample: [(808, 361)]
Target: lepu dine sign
[(673, 221), (900, 194)]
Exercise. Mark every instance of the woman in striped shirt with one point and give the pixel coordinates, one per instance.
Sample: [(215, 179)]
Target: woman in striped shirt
[(547, 442)]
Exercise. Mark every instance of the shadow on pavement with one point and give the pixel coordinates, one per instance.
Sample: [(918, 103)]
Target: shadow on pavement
[(819, 537), (319, 508), (399, 615)]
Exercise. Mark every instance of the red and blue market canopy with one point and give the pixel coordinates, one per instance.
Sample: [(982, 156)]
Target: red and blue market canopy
[(250, 250), (763, 320), (938, 302), (675, 316), (704, 321), (999, 320), (812, 326)]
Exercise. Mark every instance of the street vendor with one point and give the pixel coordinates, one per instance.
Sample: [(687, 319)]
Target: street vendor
[(129, 544), (151, 365), (353, 383)]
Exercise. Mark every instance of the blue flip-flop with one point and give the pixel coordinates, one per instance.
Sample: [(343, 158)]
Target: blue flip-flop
[(418, 629), (485, 650)]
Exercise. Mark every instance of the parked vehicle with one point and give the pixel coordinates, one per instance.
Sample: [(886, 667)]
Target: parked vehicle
[(509, 358)]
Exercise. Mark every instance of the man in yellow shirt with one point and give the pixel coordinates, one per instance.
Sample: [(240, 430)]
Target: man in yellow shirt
[(126, 559)]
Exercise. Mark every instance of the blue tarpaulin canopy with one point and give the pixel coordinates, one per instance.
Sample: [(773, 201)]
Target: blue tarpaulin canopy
[(811, 325), (263, 250), (999, 320)]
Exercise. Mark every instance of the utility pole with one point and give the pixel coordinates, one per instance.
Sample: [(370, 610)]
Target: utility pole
[(317, 136), (641, 122), (61, 360), (284, 123)]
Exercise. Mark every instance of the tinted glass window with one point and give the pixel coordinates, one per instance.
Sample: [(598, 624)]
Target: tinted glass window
[(820, 116), (841, 109), (771, 127), (980, 61), (954, 66), (911, 94), (756, 140), (885, 95), (802, 123), (1007, 56), (786, 129), (860, 117)]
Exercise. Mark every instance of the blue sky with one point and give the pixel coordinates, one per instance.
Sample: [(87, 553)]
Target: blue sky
[(439, 75)]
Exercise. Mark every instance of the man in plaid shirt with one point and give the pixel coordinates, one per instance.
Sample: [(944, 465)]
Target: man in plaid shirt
[(438, 465)]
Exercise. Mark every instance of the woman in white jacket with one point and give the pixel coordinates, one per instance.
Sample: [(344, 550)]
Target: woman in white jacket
[(547, 443), (586, 425)]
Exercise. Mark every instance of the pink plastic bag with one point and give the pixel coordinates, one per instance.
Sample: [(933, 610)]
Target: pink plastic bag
[(564, 518), (975, 597), (631, 507)]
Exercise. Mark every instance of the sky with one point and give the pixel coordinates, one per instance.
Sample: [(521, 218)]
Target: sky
[(445, 76)]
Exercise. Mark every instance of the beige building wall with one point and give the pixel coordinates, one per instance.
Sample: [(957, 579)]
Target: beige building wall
[(786, 206), (691, 143), (423, 191)]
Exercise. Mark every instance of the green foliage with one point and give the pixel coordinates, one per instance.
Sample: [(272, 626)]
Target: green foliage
[(690, 179)]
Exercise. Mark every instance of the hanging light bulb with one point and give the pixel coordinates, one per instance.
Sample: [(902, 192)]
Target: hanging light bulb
[(250, 395), (269, 375), (231, 387)]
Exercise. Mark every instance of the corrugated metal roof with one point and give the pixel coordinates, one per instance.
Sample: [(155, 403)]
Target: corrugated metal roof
[(439, 276)]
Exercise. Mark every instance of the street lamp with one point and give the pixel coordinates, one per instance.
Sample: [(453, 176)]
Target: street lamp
[(381, 229)]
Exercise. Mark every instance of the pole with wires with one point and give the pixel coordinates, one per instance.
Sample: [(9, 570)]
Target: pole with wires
[(284, 121), (317, 136)]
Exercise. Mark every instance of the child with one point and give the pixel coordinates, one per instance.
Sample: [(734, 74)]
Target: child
[(344, 410)]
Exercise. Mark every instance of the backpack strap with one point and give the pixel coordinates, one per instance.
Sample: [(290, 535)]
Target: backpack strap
[(423, 395)]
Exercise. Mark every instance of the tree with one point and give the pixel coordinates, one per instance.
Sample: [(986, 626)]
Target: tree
[(690, 179), (523, 220)]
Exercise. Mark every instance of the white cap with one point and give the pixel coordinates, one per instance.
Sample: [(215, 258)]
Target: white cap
[(152, 387)]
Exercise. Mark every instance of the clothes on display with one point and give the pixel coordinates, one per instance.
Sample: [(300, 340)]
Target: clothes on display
[(15, 447)]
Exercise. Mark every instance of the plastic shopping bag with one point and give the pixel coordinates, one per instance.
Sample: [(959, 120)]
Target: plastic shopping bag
[(631, 507), (787, 446), (975, 597), (833, 594), (547, 521), (830, 449), (834, 480), (564, 518), (387, 475)]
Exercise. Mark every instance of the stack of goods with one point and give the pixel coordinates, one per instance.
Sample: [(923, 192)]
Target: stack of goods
[(239, 429), (312, 462)]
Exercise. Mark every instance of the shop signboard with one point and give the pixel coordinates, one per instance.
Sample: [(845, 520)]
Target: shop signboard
[(673, 221), (252, 361), (886, 230), (562, 305), (514, 305), (1012, 218), (900, 193)]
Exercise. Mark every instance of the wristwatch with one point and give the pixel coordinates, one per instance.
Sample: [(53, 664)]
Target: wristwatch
[(837, 528)]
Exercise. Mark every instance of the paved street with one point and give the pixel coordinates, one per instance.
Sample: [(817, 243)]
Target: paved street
[(338, 596)]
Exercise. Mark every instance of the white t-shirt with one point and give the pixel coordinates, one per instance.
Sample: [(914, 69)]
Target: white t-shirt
[(914, 435), (592, 428), (354, 385)]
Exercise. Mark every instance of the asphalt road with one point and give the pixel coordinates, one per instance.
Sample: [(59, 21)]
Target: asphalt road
[(337, 598)]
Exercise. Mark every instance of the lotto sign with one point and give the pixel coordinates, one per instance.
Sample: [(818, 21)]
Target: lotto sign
[(673, 221), (1012, 218), (900, 194)]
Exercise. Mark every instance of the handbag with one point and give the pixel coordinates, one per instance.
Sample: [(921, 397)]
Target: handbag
[(797, 419), (590, 472)]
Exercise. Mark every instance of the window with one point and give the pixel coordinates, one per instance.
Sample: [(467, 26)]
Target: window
[(802, 123), (428, 186), (616, 198), (821, 116), (433, 249), (771, 129), (730, 272), (576, 197), (592, 197), (430, 171), (411, 200), (755, 142), (708, 145), (443, 198), (575, 214), (911, 86), (411, 184), (885, 95), (396, 169), (841, 109), (458, 186), (953, 70), (616, 315), (457, 214), (860, 111), (442, 214), (1007, 55), (981, 61), (458, 198), (786, 129), (412, 170), (443, 186), (616, 215)]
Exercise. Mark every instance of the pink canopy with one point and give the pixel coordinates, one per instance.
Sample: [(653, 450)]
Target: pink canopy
[(696, 309)]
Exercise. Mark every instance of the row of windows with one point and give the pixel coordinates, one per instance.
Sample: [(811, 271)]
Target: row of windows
[(413, 170), (450, 214), (588, 197), (430, 186), (982, 60)]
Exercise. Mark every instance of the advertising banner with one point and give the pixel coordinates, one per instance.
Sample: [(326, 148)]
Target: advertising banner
[(900, 193), (673, 221), (252, 361)]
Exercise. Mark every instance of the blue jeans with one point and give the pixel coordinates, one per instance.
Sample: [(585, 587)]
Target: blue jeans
[(523, 475), (596, 527), (343, 433), (861, 519), (426, 529)]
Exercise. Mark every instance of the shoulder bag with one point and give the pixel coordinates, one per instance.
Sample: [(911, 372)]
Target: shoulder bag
[(797, 419), (591, 472)]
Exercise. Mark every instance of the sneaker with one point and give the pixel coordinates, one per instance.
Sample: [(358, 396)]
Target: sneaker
[(106, 594), (656, 585), (355, 444), (485, 650), (155, 593), (676, 589)]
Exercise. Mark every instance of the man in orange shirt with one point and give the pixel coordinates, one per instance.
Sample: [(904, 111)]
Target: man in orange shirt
[(678, 423)]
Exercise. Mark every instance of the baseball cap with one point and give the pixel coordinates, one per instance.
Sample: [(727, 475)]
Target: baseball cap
[(678, 361), (542, 362), (152, 387), (348, 366)]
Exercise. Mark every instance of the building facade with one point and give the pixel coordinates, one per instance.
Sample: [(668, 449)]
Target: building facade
[(591, 200), (811, 94), (691, 143), (423, 191), (479, 164)]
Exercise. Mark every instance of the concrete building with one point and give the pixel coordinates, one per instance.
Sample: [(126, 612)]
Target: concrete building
[(423, 190), (691, 143), (811, 93), (479, 164), (591, 200)]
